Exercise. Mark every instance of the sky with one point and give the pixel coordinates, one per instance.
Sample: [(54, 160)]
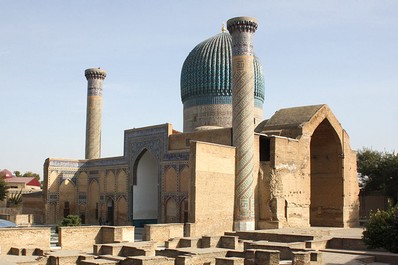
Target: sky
[(343, 53)]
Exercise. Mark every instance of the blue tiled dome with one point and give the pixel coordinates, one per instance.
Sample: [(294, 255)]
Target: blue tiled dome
[(206, 75)]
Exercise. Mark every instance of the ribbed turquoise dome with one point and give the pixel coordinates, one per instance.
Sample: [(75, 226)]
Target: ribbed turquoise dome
[(206, 75)]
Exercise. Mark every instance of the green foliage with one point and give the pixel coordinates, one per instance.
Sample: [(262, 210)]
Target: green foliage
[(31, 175), (3, 190), (382, 230), (71, 220), (15, 198), (378, 171), (27, 174)]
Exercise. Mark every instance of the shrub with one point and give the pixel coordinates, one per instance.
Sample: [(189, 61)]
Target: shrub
[(382, 230), (71, 220), (15, 198)]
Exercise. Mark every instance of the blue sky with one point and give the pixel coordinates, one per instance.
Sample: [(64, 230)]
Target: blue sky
[(342, 53)]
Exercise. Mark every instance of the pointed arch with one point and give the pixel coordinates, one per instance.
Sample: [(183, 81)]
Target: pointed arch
[(145, 189), (122, 182), (110, 211), (82, 181), (110, 181), (93, 200), (185, 176), (170, 180), (184, 211), (327, 188), (67, 201), (122, 211), (171, 211)]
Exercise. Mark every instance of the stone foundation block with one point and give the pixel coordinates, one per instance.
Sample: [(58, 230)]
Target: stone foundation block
[(210, 241), (188, 242), (267, 257), (57, 260), (230, 242), (301, 258), (316, 257), (96, 262), (172, 242), (26, 251)]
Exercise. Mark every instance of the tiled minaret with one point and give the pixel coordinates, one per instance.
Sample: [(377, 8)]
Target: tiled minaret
[(95, 78), (242, 30)]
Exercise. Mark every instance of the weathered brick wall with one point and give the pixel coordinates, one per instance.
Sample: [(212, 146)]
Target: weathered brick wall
[(84, 237), (112, 234), (212, 188), (34, 204), (163, 232), (79, 237), (219, 136), (34, 237)]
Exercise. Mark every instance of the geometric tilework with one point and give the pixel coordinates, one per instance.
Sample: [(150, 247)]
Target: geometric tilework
[(207, 73)]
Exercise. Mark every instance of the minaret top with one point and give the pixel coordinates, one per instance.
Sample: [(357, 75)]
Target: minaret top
[(242, 24), (95, 73)]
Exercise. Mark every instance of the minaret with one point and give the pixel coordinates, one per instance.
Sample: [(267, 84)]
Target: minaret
[(242, 30), (95, 78)]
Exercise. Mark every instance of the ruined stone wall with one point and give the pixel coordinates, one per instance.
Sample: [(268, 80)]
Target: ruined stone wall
[(33, 203), (212, 188), (79, 237), (181, 141), (33, 237), (351, 187), (283, 187), (84, 237), (163, 232)]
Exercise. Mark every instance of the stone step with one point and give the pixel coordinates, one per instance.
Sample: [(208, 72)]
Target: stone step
[(110, 257), (379, 256), (99, 262)]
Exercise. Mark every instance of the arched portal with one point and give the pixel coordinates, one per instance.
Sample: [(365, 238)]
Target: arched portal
[(110, 216), (145, 190), (326, 177)]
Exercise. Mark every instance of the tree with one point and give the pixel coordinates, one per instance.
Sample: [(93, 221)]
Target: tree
[(27, 174), (3, 190), (378, 171), (31, 175), (381, 231)]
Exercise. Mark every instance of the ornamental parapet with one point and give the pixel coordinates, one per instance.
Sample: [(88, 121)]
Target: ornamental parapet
[(242, 24), (95, 73)]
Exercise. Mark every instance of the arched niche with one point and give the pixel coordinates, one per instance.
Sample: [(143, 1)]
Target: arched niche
[(82, 182), (184, 211), (122, 182), (110, 181), (110, 212), (326, 177), (170, 180), (171, 211), (185, 179), (122, 211), (93, 197), (145, 190), (67, 202)]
